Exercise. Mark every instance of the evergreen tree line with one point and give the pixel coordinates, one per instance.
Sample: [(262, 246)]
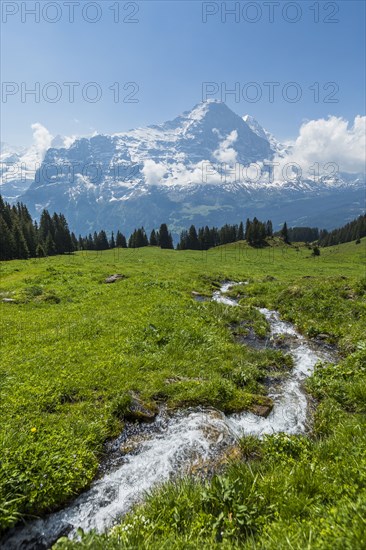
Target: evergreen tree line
[(300, 234), (100, 241), (303, 234), (138, 239), (162, 238), (255, 233), (352, 231), (21, 238)]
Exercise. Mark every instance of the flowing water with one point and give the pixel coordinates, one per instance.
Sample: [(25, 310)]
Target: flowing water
[(174, 444)]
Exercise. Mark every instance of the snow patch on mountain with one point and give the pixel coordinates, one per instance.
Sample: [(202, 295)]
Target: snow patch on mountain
[(279, 148), (18, 165)]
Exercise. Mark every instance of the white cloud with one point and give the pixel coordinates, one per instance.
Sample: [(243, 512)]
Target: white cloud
[(225, 152), (201, 173), (42, 139), (330, 140), (69, 140), (153, 172), (179, 173)]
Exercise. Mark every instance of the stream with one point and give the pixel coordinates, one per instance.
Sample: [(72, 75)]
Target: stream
[(176, 444)]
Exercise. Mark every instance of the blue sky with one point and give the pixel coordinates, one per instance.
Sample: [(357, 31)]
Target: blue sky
[(170, 52)]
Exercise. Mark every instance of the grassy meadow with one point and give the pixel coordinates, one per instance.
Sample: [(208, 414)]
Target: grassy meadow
[(74, 349)]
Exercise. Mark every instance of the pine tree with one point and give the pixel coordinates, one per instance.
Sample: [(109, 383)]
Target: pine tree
[(192, 238), (269, 228), (67, 245), (240, 236), (50, 247), (102, 240), (201, 242), (120, 240), (7, 242), (74, 242), (165, 238), (45, 226), (30, 236), (90, 242), (40, 253), (184, 240), (284, 234), (112, 243), (95, 241), (21, 249), (207, 240), (214, 236), (153, 240)]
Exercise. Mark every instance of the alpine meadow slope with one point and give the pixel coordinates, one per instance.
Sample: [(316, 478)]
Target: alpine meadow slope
[(75, 349)]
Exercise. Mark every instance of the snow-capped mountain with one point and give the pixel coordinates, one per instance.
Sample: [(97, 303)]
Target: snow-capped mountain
[(196, 168), (15, 177), (18, 166), (279, 148)]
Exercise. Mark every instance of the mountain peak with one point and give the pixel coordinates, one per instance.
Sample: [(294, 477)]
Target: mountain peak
[(255, 126), (211, 108)]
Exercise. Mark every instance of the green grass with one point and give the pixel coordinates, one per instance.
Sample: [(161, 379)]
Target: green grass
[(73, 348)]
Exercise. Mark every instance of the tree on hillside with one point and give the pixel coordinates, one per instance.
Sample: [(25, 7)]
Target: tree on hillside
[(165, 238), (208, 241), (138, 239), (120, 240), (45, 226), (153, 241), (7, 242), (40, 253), (240, 235), (74, 241), (269, 228), (354, 230), (21, 249), (193, 243), (101, 240), (284, 234), (247, 229), (255, 233), (49, 246), (303, 234)]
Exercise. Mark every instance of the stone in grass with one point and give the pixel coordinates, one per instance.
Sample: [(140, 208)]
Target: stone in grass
[(114, 278), (140, 410), (9, 300)]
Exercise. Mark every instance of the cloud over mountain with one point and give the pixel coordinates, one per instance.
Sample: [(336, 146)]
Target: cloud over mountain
[(331, 140)]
